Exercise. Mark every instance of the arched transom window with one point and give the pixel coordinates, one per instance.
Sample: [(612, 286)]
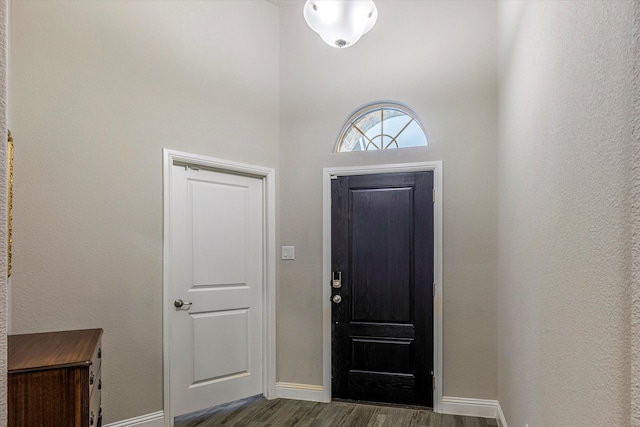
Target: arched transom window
[(381, 126)]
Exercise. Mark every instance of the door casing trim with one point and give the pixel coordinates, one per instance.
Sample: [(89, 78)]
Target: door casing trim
[(327, 173), (268, 177)]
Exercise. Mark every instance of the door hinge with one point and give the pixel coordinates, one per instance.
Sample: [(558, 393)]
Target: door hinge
[(433, 381), (434, 289), (434, 195)]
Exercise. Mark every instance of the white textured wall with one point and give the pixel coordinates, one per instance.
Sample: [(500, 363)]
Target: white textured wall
[(635, 235), (564, 185), (97, 90), (440, 58)]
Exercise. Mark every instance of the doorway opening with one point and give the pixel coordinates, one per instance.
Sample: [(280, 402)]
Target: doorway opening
[(435, 324), (217, 211)]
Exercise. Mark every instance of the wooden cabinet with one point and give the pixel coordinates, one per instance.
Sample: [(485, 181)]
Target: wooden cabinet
[(55, 379)]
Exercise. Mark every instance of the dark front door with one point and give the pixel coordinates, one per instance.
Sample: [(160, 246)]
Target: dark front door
[(382, 311)]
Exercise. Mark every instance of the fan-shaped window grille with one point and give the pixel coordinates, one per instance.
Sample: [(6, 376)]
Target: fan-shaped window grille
[(381, 126)]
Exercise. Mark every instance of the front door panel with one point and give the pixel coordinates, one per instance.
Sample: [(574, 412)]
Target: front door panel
[(382, 245)]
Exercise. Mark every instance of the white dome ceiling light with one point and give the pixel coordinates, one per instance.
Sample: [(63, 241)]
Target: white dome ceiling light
[(340, 23)]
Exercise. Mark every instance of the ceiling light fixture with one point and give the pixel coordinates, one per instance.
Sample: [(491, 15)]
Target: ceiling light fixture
[(340, 23)]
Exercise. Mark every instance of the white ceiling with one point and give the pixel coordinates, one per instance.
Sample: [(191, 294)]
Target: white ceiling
[(282, 3)]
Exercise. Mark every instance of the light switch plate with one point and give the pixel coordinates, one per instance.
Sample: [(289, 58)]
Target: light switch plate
[(288, 252)]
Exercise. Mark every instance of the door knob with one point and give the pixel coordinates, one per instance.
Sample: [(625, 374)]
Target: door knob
[(337, 299), (179, 303)]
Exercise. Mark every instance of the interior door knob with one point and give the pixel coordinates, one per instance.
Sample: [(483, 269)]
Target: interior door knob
[(179, 303)]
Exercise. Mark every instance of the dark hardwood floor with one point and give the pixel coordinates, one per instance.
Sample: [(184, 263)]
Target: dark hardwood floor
[(259, 412)]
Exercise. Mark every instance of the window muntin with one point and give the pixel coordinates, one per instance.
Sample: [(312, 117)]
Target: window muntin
[(381, 126)]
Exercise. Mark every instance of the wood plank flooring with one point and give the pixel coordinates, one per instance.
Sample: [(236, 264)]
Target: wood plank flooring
[(258, 412)]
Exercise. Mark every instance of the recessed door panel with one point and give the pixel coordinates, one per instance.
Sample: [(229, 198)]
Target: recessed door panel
[(219, 233), (382, 355), (221, 345), (381, 267)]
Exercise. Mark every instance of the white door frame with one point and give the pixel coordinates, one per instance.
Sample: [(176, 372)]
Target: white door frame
[(327, 174), (268, 177)]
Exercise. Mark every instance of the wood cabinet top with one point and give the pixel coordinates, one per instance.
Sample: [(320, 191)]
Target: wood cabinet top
[(32, 352)]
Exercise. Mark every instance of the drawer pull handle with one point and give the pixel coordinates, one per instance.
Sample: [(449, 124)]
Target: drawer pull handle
[(100, 353), (92, 378), (100, 384), (92, 418)]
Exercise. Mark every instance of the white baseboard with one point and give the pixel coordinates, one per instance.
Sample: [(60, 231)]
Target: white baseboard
[(471, 407), (313, 393), (502, 421), (155, 419)]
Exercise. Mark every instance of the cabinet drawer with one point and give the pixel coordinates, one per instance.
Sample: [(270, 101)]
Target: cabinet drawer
[(95, 404), (94, 368), (94, 374)]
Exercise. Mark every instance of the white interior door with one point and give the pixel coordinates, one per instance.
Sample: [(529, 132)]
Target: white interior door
[(217, 271)]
